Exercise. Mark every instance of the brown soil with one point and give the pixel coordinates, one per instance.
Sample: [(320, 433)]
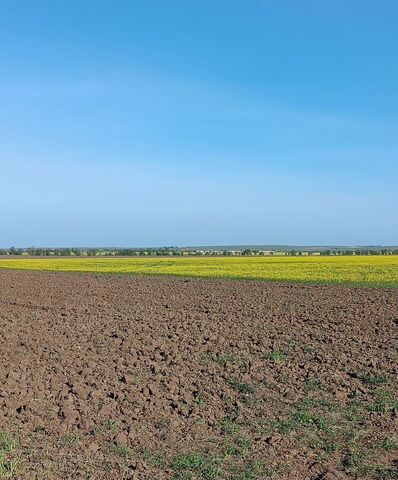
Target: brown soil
[(107, 377)]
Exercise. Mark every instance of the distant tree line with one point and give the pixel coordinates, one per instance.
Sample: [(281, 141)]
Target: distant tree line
[(64, 252), (175, 251), (362, 251)]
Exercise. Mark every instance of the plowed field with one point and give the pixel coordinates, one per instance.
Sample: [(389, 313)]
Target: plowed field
[(123, 377)]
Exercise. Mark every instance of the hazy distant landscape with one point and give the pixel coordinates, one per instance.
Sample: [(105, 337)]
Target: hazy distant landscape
[(221, 250)]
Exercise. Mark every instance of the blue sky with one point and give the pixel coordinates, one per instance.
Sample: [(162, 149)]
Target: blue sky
[(211, 122)]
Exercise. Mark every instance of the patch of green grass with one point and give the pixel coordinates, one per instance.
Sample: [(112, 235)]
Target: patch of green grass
[(230, 426), (199, 401), (277, 356), (119, 449), (371, 379), (222, 360), (230, 463), (389, 444), (252, 470), (322, 425), (244, 444), (7, 443), (307, 402), (231, 449), (241, 387), (239, 448), (196, 465), (163, 423), (290, 344), (330, 446), (385, 473), (69, 440), (356, 464), (327, 445), (188, 461), (9, 466), (313, 384), (283, 426), (206, 358), (154, 458), (110, 425), (309, 420), (353, 462), (383, 402), (354, 411), (299, 420), (352, 439), (329, 427)]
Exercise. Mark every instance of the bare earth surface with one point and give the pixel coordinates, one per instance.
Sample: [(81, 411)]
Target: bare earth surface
[(107, 377)]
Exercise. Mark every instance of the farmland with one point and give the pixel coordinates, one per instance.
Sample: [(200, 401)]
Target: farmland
[(132, 377), (353, 270)]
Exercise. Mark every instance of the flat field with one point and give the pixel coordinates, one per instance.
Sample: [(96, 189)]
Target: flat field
[(109, 377), (354, 270)]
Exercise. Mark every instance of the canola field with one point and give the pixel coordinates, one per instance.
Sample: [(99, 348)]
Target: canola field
[(355, 270)]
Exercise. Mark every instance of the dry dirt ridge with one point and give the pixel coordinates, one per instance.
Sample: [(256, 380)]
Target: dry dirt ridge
[(106, 377)]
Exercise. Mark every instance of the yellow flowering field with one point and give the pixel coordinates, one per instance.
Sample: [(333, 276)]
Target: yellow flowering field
[(360, 270)]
